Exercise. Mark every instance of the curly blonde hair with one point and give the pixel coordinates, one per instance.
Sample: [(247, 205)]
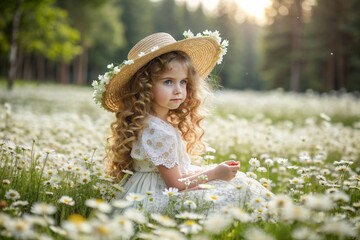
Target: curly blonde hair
[(136, 103)]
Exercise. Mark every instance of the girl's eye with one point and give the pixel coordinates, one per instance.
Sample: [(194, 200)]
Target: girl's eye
[(167, 82), (184, 82)]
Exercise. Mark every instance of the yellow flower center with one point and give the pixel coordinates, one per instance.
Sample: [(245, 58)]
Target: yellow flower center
[(190, 222), (102, 230), (21, 226), (214, 197), (76, 219)]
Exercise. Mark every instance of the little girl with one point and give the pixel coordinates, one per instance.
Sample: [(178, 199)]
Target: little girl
[(156, 95)]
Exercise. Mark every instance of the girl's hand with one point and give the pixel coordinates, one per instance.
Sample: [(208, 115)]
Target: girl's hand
[(226, 170)]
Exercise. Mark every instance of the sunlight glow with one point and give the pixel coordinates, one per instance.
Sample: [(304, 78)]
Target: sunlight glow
[(253, 8)]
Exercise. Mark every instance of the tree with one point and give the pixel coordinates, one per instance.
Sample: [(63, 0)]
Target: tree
[(282, 45), (239, 69), (95, 20), (335, 52), (137, 17), (36, 26), (168, 18), (296, 46)]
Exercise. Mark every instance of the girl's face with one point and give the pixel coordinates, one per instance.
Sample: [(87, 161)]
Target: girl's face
[(169, 88)]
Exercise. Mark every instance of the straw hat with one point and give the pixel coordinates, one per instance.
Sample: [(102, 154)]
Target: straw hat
[(204, 52)]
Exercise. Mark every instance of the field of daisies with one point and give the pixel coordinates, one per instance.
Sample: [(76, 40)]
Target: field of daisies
[(303, 147)]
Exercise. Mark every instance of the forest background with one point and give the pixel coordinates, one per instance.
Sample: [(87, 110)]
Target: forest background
[(303, 44)]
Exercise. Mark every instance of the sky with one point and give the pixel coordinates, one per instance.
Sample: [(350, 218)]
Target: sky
[(254, 8)]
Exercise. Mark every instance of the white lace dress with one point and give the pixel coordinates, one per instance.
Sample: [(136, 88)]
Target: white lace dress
[(161, 144)]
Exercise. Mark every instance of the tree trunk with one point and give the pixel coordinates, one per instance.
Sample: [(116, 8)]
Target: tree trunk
[(40, 65), (14, 45), (296, 46), (27, 67), (340, 59), (20, 64), (63, 72), (330, 76), (80, 67)]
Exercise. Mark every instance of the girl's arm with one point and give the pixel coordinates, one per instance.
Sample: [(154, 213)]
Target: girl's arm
[(173, 178)]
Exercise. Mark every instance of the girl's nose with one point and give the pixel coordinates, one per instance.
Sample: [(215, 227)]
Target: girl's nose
[(177, 89)]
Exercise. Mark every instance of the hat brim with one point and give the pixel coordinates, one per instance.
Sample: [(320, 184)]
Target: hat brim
[(203, 52)]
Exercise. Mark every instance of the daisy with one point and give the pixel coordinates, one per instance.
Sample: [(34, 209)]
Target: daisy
[(167, 233), (251, 175), (340, 196), (121, 203), (43, 209), (12, 194), (269, 162), (99, 204), (298, 213), (19, 228), (75, 225), (190, 204), (319, 202), (6, 182), (135, 215), (304, 233), (69, 167), (55, 180), (84, 179), (261, 169), (171, 192), (257, 202), (254, 162), (279, 202), (256, 233), (240, 215), (57, 230), (134, 197), (50, 172), (265, 181), (216, 223), (163, 220), (125, 227), (212, 197), (282, 161), (340, 228), (190, 227), (20, 203), (67, 200), (105, 230), (189, 215)]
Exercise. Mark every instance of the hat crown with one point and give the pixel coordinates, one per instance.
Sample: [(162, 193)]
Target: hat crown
[(150, 44)]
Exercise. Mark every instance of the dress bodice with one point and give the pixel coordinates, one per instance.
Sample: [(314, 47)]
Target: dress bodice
[(159, 144)]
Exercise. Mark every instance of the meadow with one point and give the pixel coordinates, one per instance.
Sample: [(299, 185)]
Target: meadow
[(304, 147)]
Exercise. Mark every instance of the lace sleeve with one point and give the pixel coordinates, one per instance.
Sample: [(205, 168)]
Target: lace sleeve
[(158, 144)]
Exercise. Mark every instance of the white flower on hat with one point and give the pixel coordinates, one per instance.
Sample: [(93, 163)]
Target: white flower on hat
[(99, 84), (216, 35), (188, 34), (153, 49), (128, 62)]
